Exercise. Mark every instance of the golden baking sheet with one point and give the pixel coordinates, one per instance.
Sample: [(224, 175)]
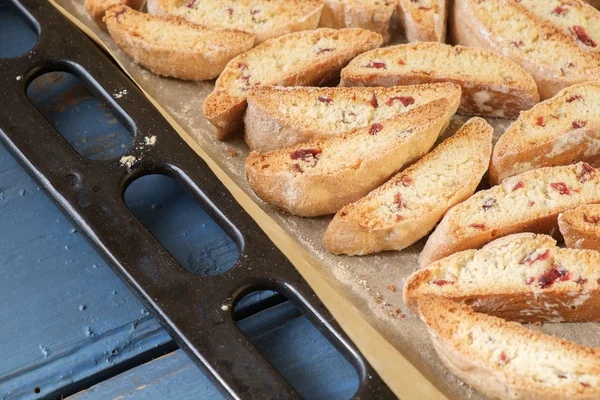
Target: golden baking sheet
[(363, 293)]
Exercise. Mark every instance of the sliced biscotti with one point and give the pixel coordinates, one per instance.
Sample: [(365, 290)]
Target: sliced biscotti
[(97, 8), (281, 117), (580, 227), (573, 18), (505, 360), (308, 58), (491, 84), (267, 19), (559, 131), (424, 20), (408, 206), (374, 15), (174, 47), (529, 202), (554, 60), (522, 277), (321, 176)]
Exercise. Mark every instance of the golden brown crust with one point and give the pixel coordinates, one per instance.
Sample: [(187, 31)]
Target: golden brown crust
[(348, 232), (373, 15), (481, 95), (183, 50), (449, 323), (97, 8), (224, 108), (580, 227), (323, 175)]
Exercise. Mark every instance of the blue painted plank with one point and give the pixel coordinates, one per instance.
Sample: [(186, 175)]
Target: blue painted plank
[(301, 354)]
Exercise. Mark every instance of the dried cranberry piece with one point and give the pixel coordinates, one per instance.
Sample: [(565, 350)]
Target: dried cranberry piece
[(296, 168), (540, 257), (190, 3), (559, 10), (442, 282), (405, 100), (399, 201), (573, 98), (561, 188), (373, 102), (539, 121), (405, 180), (375, 128), (577, 124), (376, 64), (401, 62), (503, 358), (583, 36), (305, 154), (548, 278), (230, 11), (518, 186), (581, 281), (254, 12), (489, 203), (517, 43), (324, 50), (585, 385), (587, 173), (325, 99), (478, 226), (529, 280), (591, 220), (424, 8)]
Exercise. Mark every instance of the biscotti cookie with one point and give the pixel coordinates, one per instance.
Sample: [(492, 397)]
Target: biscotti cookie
[(573, 18), (554, 60), (580, 227), (423, 20), (281, 117), (492, 85), (522, 277), (97, 8), (298, 59), (174, 47), (529, 202), (505, 360), (408, 206), (374, 15), (559, 131), (323, 175), (267, 19)]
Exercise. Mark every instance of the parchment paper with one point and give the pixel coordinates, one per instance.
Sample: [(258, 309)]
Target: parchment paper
[(373, 284)]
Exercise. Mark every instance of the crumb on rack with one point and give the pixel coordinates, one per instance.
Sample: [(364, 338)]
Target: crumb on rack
[(391, 288), (224, 307), (232, 152), (128, 161), (19, 77), (150, 140), (118, 95)]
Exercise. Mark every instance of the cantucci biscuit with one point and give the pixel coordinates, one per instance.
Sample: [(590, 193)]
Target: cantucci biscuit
[(559, 131), (306, 58), (554, 60), (323, 175), (267, 19), (522, 277), (424, 20), (529, 202), (505, 360), (408, 206), (281, 117), (492, 85), (97, 8), (174, 47)]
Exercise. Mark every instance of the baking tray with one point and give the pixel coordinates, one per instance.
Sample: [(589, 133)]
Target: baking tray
[(196, 310), (363, 293)]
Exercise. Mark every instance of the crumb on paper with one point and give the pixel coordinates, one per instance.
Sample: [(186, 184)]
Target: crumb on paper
[(232, 152), (391, 288), (128, 161), (150, 140), (118, 95), (19, 77), (224, 307)]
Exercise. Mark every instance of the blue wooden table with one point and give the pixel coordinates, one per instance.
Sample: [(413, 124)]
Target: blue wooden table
[(69, 326)]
